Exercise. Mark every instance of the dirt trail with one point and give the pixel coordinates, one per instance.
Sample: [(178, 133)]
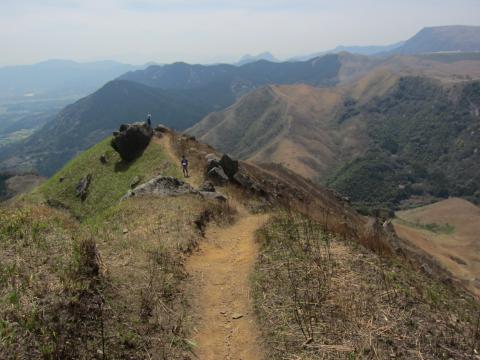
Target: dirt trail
[(166, 142), (220, 279)]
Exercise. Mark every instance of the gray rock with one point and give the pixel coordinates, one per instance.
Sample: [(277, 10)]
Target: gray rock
[(81, 190), (207, 186), (170, 186), (131, 140), (212, 163), (161, 186), (229, 166), (217, 175)]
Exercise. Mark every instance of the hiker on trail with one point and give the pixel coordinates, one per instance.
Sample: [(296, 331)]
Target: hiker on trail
[(184, 166), (149, 120)]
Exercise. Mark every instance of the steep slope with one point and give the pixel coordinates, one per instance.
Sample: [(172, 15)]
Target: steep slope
[(297, 126), (90, 119), (424, 139), (442, 39), (178, 95), (449, 231), (365, 138), (133, 279)]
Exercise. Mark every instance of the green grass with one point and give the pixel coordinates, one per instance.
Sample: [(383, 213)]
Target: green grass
[(110, 181), (446, 229)]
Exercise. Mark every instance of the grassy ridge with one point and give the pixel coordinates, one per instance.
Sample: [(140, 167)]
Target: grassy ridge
[(109, 285), (110, 181)]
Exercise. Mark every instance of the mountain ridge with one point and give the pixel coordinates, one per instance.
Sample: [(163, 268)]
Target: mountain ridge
[(347, 135)]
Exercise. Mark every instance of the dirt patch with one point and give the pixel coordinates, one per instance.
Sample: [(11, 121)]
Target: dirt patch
[(221, 290)]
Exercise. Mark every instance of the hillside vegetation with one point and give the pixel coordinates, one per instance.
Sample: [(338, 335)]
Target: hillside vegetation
[(110, 180), (319, 297), (99, 278), (424, 141), (102, 278), (380, 141)]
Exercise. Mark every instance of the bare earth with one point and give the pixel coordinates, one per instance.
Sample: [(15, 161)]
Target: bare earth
[(220, 279), (458, 251)]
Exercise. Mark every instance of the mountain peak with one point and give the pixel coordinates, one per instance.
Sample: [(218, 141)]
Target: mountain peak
[(252, 58)]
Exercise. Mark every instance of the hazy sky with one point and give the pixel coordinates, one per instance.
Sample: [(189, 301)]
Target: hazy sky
[(138, 31)]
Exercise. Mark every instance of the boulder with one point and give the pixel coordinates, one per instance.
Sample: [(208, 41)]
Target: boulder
[(217, 175), (229, 166), (81, 190), (212, 163), (171, 186), (161, 186), (131, 140), (207, 186)]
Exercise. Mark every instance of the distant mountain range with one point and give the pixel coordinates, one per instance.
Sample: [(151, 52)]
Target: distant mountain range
[(408, 127), (360, 50), (56, 78), (442, 39), (246, 59), (428, 40), (179, 95)]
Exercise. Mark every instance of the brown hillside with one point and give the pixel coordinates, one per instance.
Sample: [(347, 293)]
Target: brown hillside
[(295, 125), (449, 230)]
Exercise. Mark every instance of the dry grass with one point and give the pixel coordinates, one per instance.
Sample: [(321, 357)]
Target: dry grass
[(448, 231), (49, 285), (369, 307), (107, 288)]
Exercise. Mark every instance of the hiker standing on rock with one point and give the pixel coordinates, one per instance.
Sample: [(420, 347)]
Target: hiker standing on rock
[(149, 120), (184, 163)]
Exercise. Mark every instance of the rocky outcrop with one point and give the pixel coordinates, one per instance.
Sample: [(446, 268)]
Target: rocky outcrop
[(207, 186), (170, 186), (131, 140), (81, 190), (221, 171), (217, 175), (161, 186), (229, 166)]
